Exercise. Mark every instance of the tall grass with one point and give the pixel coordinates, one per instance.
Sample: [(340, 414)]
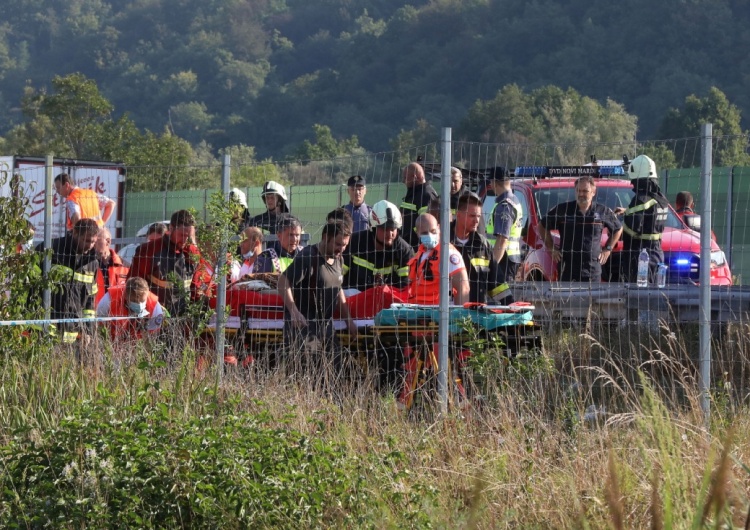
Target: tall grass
[(603, 429)]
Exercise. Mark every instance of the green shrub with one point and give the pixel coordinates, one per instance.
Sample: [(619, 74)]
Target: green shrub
[(141, 467)]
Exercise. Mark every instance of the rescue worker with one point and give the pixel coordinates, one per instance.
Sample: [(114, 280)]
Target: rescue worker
[(424, 273), (580, 224), (643, 220), (83, 203), (473, 246), (424, 289), (357, 188), (275, 199), (172, 258), (240, 213), (111, 269), (419, 192), (379, 256), (251, 246), (73, 269), (132, 299), (505, 225), (279, 256)]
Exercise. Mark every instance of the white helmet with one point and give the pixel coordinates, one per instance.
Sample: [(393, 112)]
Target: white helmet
[(274, 187), (239, 196), (642, 167), (384, 213)]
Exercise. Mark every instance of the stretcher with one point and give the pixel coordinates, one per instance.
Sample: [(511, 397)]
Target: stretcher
[(513, 324)]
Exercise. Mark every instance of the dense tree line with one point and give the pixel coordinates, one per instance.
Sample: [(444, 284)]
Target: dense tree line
[(279, 75)]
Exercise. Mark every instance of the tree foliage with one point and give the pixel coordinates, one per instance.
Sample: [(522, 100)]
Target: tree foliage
[(725, 118)]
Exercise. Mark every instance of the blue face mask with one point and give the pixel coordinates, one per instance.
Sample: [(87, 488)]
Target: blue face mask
[(249, 254), (137, 307), (429, 241)]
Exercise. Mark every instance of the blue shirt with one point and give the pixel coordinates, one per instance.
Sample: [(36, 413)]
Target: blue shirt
[(360, 216)]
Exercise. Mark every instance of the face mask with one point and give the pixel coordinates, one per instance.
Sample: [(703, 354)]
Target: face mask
[(249, 254), (137, 307), (429, 241), (29, 245)]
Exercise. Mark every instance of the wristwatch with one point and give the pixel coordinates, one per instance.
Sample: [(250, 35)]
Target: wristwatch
[(608, 247)]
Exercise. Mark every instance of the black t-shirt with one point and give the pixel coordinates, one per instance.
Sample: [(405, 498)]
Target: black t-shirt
[(315, 284), (580, 238)]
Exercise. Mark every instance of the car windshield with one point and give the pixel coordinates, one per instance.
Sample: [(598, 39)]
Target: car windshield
[(613, 197)]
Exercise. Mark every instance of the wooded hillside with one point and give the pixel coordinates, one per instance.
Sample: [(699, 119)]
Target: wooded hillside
[(263, 72)]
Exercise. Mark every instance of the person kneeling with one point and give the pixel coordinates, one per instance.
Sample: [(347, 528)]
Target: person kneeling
[(131, 300)]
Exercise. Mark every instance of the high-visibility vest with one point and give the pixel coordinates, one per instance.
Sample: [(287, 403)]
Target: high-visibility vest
[(88, 202), (117, 274), (514, 241), (118, 308)]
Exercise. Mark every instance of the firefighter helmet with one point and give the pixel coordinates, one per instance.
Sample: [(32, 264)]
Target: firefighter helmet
[(642, 167), (273, 187), (239, 196), (385, 213)]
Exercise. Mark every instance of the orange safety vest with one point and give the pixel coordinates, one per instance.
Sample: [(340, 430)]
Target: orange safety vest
[(118, 308), (118, 274), (88, 202), (424, 286)]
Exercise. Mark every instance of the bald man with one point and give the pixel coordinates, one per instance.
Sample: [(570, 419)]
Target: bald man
[(424, 267), (419, 193)]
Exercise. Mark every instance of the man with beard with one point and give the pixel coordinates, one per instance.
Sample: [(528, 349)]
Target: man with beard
[(580, 224), (168, 264), (311, 291)]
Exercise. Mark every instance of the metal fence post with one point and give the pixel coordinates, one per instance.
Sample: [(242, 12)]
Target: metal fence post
[(445, 235), (49, 190), (705, 269), (730, 218), (221, 295)]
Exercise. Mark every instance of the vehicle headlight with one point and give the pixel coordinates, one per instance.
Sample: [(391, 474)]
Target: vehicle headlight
[(718, 258)]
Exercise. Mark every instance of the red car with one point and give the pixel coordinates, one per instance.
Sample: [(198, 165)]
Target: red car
[(539, 190)]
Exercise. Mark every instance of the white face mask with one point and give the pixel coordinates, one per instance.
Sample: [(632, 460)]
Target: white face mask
[(429, 241), (249, 254), (137, 308)]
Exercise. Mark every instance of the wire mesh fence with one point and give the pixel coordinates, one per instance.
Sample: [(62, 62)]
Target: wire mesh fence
[(372, 273)]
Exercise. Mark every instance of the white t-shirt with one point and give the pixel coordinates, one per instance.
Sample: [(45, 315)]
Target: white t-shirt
[(455, 261)]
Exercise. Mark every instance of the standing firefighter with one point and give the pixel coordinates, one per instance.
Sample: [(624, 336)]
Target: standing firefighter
[(73, 271), (644, 219), (419, 193)]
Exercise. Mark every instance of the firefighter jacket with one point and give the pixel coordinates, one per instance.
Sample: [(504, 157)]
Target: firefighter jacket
[(415, 203), (646, 216), (110, 273), (88, 203), (365, 266), (169, 271), (477, 255), (74, 277)]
